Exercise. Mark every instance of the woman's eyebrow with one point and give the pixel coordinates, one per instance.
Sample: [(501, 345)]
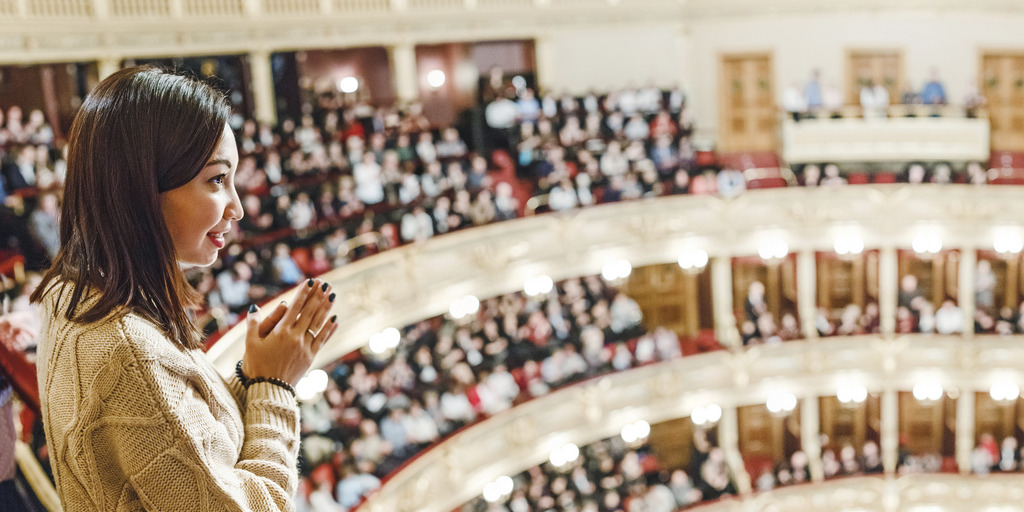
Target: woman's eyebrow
[(221, 161)]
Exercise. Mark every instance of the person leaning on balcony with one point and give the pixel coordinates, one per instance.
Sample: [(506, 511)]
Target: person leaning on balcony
[(135, 416)]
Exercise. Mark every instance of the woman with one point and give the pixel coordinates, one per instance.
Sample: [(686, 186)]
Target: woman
[(135, 416)]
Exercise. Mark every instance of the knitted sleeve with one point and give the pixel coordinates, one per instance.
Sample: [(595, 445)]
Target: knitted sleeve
[(161, 417)]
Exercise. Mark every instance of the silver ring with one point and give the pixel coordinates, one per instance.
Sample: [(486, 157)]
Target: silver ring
[(311, 333)]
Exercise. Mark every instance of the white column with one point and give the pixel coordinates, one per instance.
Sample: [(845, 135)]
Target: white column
[(545, 62), (888, 289), (810, 436), (729, 441), (252, 8), (403, 72), (721, 299), (326, 6), (965, 288), (262, 86), (108, 66), (101, 9), (890, 419), (176, 9), (964, 428), (807, 292)]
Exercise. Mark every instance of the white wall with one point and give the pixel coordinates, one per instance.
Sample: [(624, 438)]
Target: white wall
[(609, 57), (614, 57)]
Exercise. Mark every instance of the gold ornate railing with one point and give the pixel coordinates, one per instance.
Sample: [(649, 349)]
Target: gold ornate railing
[(909, 493), (410, 283), (456, 471)]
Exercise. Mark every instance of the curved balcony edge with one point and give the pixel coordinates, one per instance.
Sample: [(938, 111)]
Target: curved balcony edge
[(908, 493), (455, 471), (411, 283)]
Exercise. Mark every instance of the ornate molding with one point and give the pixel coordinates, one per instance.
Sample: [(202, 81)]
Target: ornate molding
[(214, 27), (946, 493), (407, 284), (525, 435)]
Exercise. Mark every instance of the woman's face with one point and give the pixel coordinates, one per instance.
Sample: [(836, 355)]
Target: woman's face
[(199, 213)]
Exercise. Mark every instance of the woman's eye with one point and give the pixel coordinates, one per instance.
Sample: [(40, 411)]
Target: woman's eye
[(219, 179)]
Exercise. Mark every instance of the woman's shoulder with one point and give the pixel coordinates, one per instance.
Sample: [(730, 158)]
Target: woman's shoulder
[(120, 324)]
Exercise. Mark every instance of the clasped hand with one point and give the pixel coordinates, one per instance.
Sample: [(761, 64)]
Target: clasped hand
[(283, 344)]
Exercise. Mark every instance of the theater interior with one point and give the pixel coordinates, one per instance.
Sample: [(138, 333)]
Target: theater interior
[(590, 255)]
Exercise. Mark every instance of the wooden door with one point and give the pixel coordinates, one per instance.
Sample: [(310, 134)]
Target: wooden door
[(865, 67), (928, 427), (991, 417), (747, 115), (1002, 85), (766, 439), (672, 298), (937, 276)]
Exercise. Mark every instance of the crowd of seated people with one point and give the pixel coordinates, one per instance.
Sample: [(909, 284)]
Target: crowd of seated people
[(842, 461), (612, 476), (988, 457), (759, 325), (988, 319), (915, 313), (380, 410), (828, 174), (345, 181), (851, 320)]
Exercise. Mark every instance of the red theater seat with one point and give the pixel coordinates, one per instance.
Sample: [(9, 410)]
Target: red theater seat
[(885, 177), (858, 178)]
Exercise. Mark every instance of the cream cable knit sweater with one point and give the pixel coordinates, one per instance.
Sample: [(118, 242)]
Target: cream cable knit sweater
[(135, 422)]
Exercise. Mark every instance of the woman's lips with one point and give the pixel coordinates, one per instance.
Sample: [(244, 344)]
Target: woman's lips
[(217, 239)]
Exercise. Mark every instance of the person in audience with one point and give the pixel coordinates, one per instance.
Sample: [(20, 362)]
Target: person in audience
[(19, 172), (949, 319), (984, 285), (832, 177), (811, 175), (874, 100), (417, 225), (117, 294), (812, 92), (44, 224), (933, 92), (793, 101), (286, 270)]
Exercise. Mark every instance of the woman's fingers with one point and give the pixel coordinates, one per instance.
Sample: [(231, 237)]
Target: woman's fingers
[(315, 310), (316, 322), (275, 316), (325, 334), (299, 302)]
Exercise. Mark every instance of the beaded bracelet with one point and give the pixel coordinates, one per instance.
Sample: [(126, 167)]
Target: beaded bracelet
[(246, 381)]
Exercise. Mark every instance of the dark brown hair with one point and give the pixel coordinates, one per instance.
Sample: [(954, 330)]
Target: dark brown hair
[(140, 132)]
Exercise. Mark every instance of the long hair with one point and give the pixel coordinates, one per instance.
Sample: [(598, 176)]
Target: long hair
[(139, 133)]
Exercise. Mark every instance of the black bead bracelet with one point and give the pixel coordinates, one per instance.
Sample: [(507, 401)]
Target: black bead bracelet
[(246, 381)]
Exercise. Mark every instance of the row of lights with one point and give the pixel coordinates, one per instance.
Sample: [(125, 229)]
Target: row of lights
[(695, 260), (780, 404), (435, 79), (563, 457)]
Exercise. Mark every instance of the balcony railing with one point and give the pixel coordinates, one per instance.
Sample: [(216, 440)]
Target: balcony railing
[(492, 260), (455, 471)]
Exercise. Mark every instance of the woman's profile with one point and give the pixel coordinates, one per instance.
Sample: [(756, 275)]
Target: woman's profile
[(135, 416)]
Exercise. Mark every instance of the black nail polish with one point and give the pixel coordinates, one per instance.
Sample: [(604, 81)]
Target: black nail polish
[(252, 308), (331, 298), (310, 282), (334, 318), (324, 287)]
